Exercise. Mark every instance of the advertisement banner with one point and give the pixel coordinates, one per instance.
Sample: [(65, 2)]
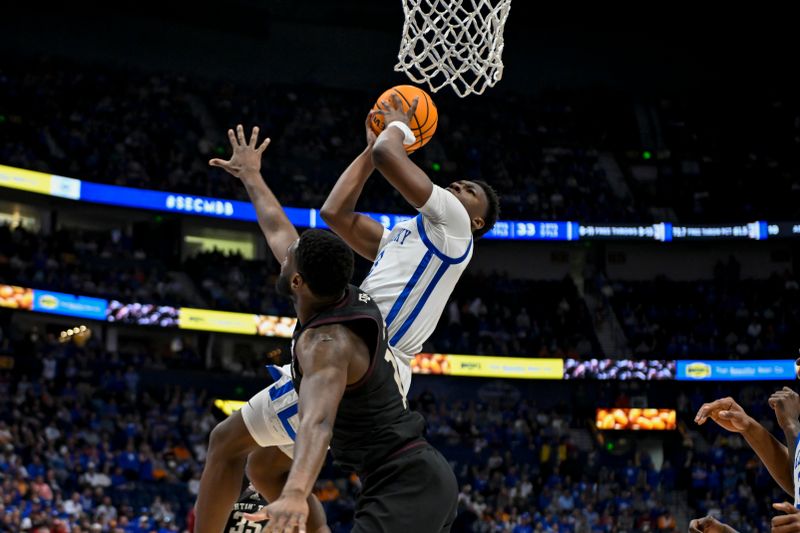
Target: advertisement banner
[(636, 419), (775, 369), (537, 230), (24, 180), (275, 326), (219, 321), (661, 232), (228, 406), (162, 201), (139, 314), (653, 369), (488, 366), (185, 203), (58, 303), (13, 297)]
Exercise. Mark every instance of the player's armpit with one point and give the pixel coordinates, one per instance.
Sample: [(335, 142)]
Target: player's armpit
[(360, 232), (390, 158)]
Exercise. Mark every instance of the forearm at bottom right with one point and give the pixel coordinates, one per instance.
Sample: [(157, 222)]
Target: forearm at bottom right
[(772, 453)]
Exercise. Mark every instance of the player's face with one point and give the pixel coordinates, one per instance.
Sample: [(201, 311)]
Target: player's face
[(288, 269), (797, 367), (472, 196)]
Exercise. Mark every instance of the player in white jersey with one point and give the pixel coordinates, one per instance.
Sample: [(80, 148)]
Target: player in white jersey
[(782, 461), (416, 266), (419, 261), (786, 404)]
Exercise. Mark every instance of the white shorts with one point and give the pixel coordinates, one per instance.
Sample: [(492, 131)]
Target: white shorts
[(271, 415)]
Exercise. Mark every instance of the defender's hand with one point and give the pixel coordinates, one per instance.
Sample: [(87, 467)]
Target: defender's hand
[(786, 523), (246, 158), (709, 524), (287, 514), (725, 412)]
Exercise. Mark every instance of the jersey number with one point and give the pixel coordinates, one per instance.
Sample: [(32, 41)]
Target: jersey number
[(393, 361), (244, 525)]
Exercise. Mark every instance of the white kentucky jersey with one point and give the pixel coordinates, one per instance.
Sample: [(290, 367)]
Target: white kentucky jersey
[(796, 472), (417, 267)]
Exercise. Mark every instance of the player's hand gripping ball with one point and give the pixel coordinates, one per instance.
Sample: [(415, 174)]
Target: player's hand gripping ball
[(425, 118)]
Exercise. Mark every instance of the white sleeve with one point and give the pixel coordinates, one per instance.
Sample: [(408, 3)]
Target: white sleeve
[(446, 223), (445, 211)]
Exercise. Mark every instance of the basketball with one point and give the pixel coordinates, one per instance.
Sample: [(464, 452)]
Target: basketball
[(424, 121)]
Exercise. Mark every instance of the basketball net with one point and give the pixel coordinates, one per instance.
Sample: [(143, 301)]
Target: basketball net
[(453, 42)]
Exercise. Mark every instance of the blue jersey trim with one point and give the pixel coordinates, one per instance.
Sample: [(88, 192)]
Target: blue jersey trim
[(428, 244), (795, 479), (420, 304), (284, 417), (274, 372), (398, 304), (277, 392)]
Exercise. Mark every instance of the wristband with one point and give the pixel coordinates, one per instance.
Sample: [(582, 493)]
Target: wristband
[(409, 137)]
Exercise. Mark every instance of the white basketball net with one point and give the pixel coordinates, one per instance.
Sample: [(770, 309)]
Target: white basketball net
[(453, 42)]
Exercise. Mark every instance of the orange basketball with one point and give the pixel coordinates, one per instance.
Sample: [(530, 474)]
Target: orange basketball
[(424, 121)]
